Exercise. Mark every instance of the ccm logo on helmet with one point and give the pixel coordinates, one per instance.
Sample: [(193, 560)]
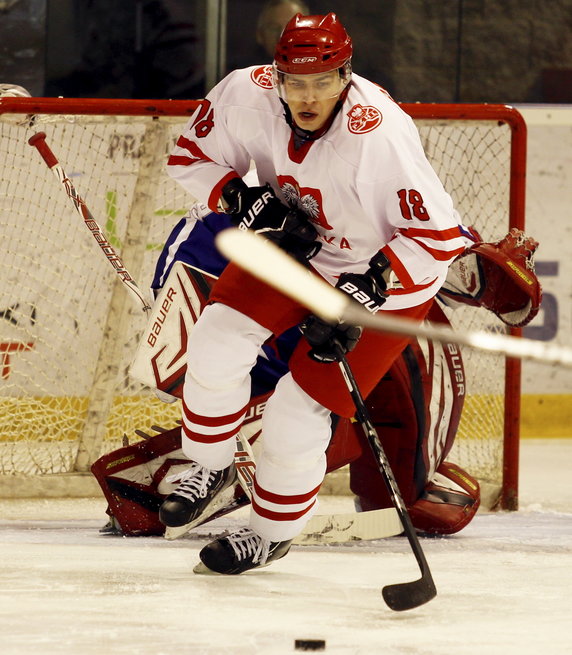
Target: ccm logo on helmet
[(304, 60)]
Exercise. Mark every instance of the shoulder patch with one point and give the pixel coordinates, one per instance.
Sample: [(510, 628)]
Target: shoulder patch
[(363, 119), (262, 77)]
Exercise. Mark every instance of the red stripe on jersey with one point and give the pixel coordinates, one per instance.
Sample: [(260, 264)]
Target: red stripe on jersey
[(213, 421), (192, 147), (281, 499), (438, 235), (279, 516), (440, 255), (400, 270), (196, 154), (413, 289), (208, 438), (181, 160)]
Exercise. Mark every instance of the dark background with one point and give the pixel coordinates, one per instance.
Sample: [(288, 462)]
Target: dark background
[(517, 51)]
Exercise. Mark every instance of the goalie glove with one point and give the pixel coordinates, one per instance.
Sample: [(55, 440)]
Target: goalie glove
[(258, 209), (498, 276)]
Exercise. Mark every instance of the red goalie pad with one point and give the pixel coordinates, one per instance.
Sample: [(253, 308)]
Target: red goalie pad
[(131, 478), (135, 481), (416, 410), (498, 276), (448, 502)]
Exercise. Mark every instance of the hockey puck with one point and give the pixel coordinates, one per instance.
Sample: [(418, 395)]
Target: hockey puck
[(310, 644)]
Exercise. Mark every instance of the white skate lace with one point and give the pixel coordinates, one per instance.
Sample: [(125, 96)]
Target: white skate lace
[(194, 482), (246, 543)]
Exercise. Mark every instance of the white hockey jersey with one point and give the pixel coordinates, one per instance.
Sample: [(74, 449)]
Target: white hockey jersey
[(366, 183)]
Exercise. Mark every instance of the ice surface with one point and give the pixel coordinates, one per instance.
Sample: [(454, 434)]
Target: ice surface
[(503, 584)]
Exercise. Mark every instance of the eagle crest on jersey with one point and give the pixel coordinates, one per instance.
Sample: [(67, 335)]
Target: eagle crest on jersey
[(262, 77), (305, 198), (363, 119)]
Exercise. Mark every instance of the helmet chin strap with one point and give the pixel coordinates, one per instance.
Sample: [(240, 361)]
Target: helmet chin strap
[(302, 136)]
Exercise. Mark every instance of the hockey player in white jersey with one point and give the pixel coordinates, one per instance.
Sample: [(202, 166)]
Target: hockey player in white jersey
[(346, 188), (416, 407)]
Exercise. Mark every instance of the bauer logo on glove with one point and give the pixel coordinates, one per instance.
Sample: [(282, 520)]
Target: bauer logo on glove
[(258, 209)]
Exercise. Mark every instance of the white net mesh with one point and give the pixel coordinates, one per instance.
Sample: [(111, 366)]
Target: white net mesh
[(472, 160), (63, 354)]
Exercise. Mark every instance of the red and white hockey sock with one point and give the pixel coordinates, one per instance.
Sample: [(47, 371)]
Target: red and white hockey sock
[(292, 464), (223, 347)]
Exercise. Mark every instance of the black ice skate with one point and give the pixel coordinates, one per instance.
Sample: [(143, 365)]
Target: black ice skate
[(240, 551), (197, 491)]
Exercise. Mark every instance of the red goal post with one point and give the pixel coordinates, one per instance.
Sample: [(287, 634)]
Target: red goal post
[(69, 331), (513, 119)]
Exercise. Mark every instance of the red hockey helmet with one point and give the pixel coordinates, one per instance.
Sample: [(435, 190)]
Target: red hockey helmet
[(313, 44)]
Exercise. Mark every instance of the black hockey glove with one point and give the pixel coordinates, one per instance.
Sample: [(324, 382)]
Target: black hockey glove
[(297, 236), (369, 288), (258, 209), (323, 336)]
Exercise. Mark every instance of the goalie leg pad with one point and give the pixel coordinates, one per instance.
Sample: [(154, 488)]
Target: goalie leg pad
[(134, 478), (450, 501), (130, 477), (345, 445)]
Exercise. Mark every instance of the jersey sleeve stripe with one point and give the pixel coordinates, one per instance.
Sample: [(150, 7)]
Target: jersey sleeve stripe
[(449, 234), (413, 289), (180, 160), (399, 269), (440, 255), (196, 154)]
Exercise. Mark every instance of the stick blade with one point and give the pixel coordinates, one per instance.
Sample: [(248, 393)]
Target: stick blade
[(408, 595)]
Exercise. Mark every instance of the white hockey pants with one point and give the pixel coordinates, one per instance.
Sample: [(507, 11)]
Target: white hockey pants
[(296, 430)]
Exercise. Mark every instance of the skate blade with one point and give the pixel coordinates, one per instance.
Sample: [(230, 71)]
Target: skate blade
[(201, 569)]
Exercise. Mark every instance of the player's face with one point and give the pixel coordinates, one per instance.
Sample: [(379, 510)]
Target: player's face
[(311, 98)]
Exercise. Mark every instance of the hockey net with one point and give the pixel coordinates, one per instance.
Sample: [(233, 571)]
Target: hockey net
[(69, 330)]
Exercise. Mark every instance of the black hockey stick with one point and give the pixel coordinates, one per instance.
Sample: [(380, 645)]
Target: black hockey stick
[(404, 595)]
